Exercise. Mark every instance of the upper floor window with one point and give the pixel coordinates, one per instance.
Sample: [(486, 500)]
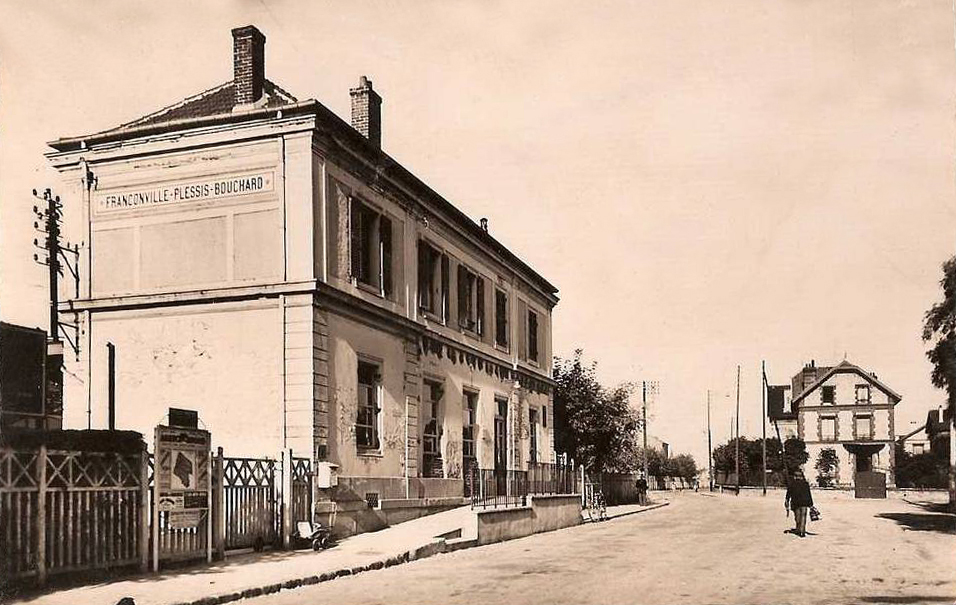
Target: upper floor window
[(501, 318), (432, 280), (532, 335), (828, 394), (369, 406), (371, 247), (863, 393), (864, 427), (471, 300), (828, 429)]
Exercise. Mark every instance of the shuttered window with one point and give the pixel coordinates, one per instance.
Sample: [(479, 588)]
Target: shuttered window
[(501, 318), (370, 243), (532, 335)]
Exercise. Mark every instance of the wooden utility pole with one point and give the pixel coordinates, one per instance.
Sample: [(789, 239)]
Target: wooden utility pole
[(710, 450), (763, 419), (644, 402), (737, 440)]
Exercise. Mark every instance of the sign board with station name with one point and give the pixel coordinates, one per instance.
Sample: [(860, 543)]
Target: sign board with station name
[(184, 191)]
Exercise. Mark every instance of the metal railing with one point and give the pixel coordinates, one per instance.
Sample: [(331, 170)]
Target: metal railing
[(490, 488)]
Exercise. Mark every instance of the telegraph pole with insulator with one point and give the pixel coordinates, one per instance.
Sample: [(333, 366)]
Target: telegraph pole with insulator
[(48, 224)]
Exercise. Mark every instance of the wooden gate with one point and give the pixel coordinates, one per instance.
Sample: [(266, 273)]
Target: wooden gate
[(301, 501), (869, 484), (249, 502), (64, 511)]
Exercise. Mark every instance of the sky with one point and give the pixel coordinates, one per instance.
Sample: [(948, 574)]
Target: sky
[(709, 184)]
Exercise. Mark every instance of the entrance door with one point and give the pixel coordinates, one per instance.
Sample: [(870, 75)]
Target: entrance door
[(864, 463)]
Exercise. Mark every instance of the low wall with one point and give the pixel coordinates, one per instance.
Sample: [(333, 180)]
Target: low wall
[(355, 516), (546, 513)]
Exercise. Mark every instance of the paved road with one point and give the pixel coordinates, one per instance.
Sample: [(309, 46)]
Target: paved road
[(700, 549)]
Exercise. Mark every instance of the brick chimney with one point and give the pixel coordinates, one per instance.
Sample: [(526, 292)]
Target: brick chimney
[(367, 111), (249, 64)]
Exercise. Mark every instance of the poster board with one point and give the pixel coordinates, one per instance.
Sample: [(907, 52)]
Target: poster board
[(183, 483)]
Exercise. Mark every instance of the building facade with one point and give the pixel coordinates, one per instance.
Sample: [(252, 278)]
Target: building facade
[(849, 410), (260, 260)]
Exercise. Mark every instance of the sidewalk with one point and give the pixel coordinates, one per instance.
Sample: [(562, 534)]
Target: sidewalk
[(254, 574)]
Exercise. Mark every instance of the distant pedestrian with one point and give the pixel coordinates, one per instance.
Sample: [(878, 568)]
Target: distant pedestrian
[(799, 500), (641, 486)]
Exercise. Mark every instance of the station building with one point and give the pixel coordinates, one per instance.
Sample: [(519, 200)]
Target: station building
[(258, 259)]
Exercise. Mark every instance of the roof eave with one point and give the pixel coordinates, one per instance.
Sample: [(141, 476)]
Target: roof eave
[(110, 136)]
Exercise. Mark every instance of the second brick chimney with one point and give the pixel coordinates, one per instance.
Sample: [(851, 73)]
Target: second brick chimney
[(249, 64), (367, 111)]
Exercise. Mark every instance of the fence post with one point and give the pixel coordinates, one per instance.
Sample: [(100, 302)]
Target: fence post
[(41, 516), (144, 518), (584, 488), (286, 498), (218, 495)]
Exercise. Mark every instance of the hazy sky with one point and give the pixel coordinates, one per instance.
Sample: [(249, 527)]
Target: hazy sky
[(708, 183)]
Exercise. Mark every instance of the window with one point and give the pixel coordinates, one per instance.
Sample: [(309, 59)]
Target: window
[(533, 421), (471, 300), (828, 394), (432, 281), (918, 448), (431, 432), (532, 335), (468, 422), (544, 417), (864, 427), (371, 247), (828, 429), (863, 393), (501, 318), (369, 406)]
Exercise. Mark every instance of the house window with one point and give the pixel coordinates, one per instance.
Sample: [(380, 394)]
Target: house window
[(917, 449), (864, 427), (431, 432), (471, 300), (369, 406), (432, 281), (828, 394), (532, 335), (544, 417), (863, 393), (468, 422), (371, 248), (501, 318), (533, 421), (828, 429)]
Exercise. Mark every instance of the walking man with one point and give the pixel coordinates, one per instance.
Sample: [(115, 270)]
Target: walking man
[(799, 500)]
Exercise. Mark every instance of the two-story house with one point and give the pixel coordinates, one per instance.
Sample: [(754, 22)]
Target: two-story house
[(256, 258), (849, 410)]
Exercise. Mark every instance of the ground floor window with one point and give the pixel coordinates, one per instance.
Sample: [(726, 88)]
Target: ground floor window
[(533, 421), (431, 430), (369, 406)]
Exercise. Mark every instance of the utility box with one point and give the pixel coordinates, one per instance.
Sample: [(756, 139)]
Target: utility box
[(327, 475)]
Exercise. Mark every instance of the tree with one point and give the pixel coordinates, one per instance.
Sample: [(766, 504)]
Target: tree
[(686, 466), (794, 451), (827, 464), (593, 425), (939, 329)]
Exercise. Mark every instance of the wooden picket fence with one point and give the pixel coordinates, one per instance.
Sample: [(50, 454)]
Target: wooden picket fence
[(72, 511), (63, 511)]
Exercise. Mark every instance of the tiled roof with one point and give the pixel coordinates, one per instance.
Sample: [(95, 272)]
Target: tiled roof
[(846, 366), (217, 100)]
